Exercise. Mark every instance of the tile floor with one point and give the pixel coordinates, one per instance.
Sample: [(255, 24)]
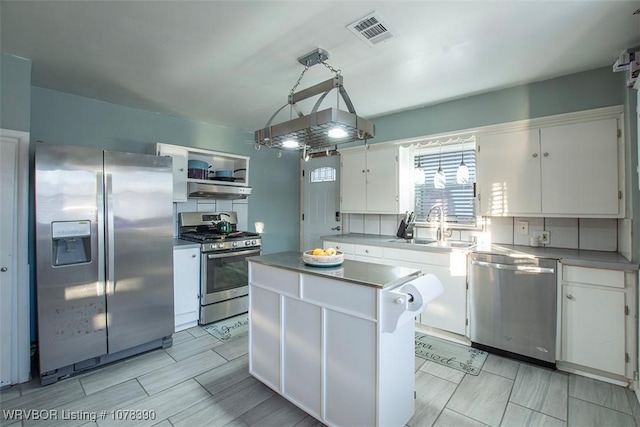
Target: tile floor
[(201, 381)]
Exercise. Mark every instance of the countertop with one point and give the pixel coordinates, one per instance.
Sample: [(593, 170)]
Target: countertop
[(358, 272), (583, 258), (184, 244)]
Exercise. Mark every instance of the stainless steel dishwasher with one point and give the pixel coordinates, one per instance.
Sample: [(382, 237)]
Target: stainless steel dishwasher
[(513, 306)]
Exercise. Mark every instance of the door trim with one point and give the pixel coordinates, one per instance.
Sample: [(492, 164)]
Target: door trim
[(21, 333)]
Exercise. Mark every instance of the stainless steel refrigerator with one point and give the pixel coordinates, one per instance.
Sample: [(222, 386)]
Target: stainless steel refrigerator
[(104, 254)]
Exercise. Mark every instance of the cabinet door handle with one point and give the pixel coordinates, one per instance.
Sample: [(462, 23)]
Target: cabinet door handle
[(193, 256), (181, 169), (363, 171), (569, 296), (535, 154), (366, 251), (546, 154)]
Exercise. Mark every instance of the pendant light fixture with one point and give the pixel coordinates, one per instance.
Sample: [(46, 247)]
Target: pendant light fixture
[(462, 174), (440, 179), (418, 173)]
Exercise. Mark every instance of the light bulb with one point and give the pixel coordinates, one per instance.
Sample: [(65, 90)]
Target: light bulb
[(337, 132), (418, 176), (290, 143)]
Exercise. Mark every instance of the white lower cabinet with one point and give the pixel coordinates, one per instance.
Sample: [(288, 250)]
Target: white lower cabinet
[(597, 328), (448, 312), (186, 287)]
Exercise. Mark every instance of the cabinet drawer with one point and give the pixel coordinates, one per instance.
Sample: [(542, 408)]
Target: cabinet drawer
[(354, 299), (277, 279), (420, 257), (346, 248), (373, 251), (593, 276)]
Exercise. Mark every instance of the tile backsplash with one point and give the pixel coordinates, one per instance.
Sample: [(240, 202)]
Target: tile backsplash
[(609, 235)]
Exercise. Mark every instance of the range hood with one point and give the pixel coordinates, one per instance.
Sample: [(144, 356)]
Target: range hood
[(197, 190)]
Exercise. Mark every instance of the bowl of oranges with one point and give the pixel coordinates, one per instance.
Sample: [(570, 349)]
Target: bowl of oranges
[(318, 257)]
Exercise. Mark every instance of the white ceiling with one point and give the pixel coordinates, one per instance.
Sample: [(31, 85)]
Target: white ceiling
[(233, 63)]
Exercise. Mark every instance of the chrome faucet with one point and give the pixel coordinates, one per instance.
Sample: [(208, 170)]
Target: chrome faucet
[(442, 232)]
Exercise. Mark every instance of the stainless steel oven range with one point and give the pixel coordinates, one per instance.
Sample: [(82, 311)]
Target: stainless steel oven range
[(224, 283)]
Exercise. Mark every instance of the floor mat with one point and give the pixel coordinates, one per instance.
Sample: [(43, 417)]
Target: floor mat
[(456, 356), (229, 328)]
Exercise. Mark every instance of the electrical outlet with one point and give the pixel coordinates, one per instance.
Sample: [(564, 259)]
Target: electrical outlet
[(544, 237), (523, 227)]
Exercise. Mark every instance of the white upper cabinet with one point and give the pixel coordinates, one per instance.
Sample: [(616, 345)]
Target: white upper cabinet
[(560, 169), (579, 168), (508, 173), (376, 180)]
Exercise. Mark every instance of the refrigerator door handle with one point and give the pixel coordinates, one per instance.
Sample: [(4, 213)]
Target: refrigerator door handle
[(110, 259), (100, 226)]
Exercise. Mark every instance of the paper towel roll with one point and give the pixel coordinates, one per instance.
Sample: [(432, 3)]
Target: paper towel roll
[(405, 302), (424, 289)]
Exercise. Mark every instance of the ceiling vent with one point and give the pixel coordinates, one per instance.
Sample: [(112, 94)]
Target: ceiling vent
[(371, 29)]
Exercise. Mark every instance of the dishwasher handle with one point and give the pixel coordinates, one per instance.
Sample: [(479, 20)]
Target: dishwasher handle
[(523, 268)]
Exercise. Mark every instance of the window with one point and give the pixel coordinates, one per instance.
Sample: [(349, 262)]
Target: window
[(322, 174), (457, 199)]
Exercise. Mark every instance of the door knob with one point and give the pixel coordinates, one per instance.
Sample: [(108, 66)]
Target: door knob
[(336, 228), (3, 269)]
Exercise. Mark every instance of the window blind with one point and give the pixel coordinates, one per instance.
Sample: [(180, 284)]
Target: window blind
[(457, 199)]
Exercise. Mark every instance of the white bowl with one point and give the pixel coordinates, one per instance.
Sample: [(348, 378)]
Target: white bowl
[(322, 260)]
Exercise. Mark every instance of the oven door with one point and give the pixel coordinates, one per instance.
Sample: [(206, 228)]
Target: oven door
[(225, 275)]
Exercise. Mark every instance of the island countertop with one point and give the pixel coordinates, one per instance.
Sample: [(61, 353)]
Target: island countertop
[(358, 272)]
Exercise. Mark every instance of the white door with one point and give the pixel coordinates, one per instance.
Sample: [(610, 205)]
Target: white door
[(8, 265), (15, 351), (321, 210)]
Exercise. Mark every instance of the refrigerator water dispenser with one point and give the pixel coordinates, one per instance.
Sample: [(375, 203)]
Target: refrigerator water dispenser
[(71, 242)]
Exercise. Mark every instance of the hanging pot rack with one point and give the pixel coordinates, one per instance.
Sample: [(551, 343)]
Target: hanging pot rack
[(311, 131)]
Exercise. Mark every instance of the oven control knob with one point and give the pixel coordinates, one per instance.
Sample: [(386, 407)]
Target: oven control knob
[(234, 244), (253, 242), (220, 245)]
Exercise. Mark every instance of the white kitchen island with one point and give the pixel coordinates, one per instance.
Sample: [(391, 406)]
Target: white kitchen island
[(337, 342)]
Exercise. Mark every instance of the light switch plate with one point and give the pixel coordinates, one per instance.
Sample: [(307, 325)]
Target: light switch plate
[(522, 227)]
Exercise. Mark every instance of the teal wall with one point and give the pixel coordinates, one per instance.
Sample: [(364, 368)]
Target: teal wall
[(582, 91), (15, 89), (63, 118)]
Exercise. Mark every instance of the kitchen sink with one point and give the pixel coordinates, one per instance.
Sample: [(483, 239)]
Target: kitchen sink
[(453, 244), (413, 241)]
